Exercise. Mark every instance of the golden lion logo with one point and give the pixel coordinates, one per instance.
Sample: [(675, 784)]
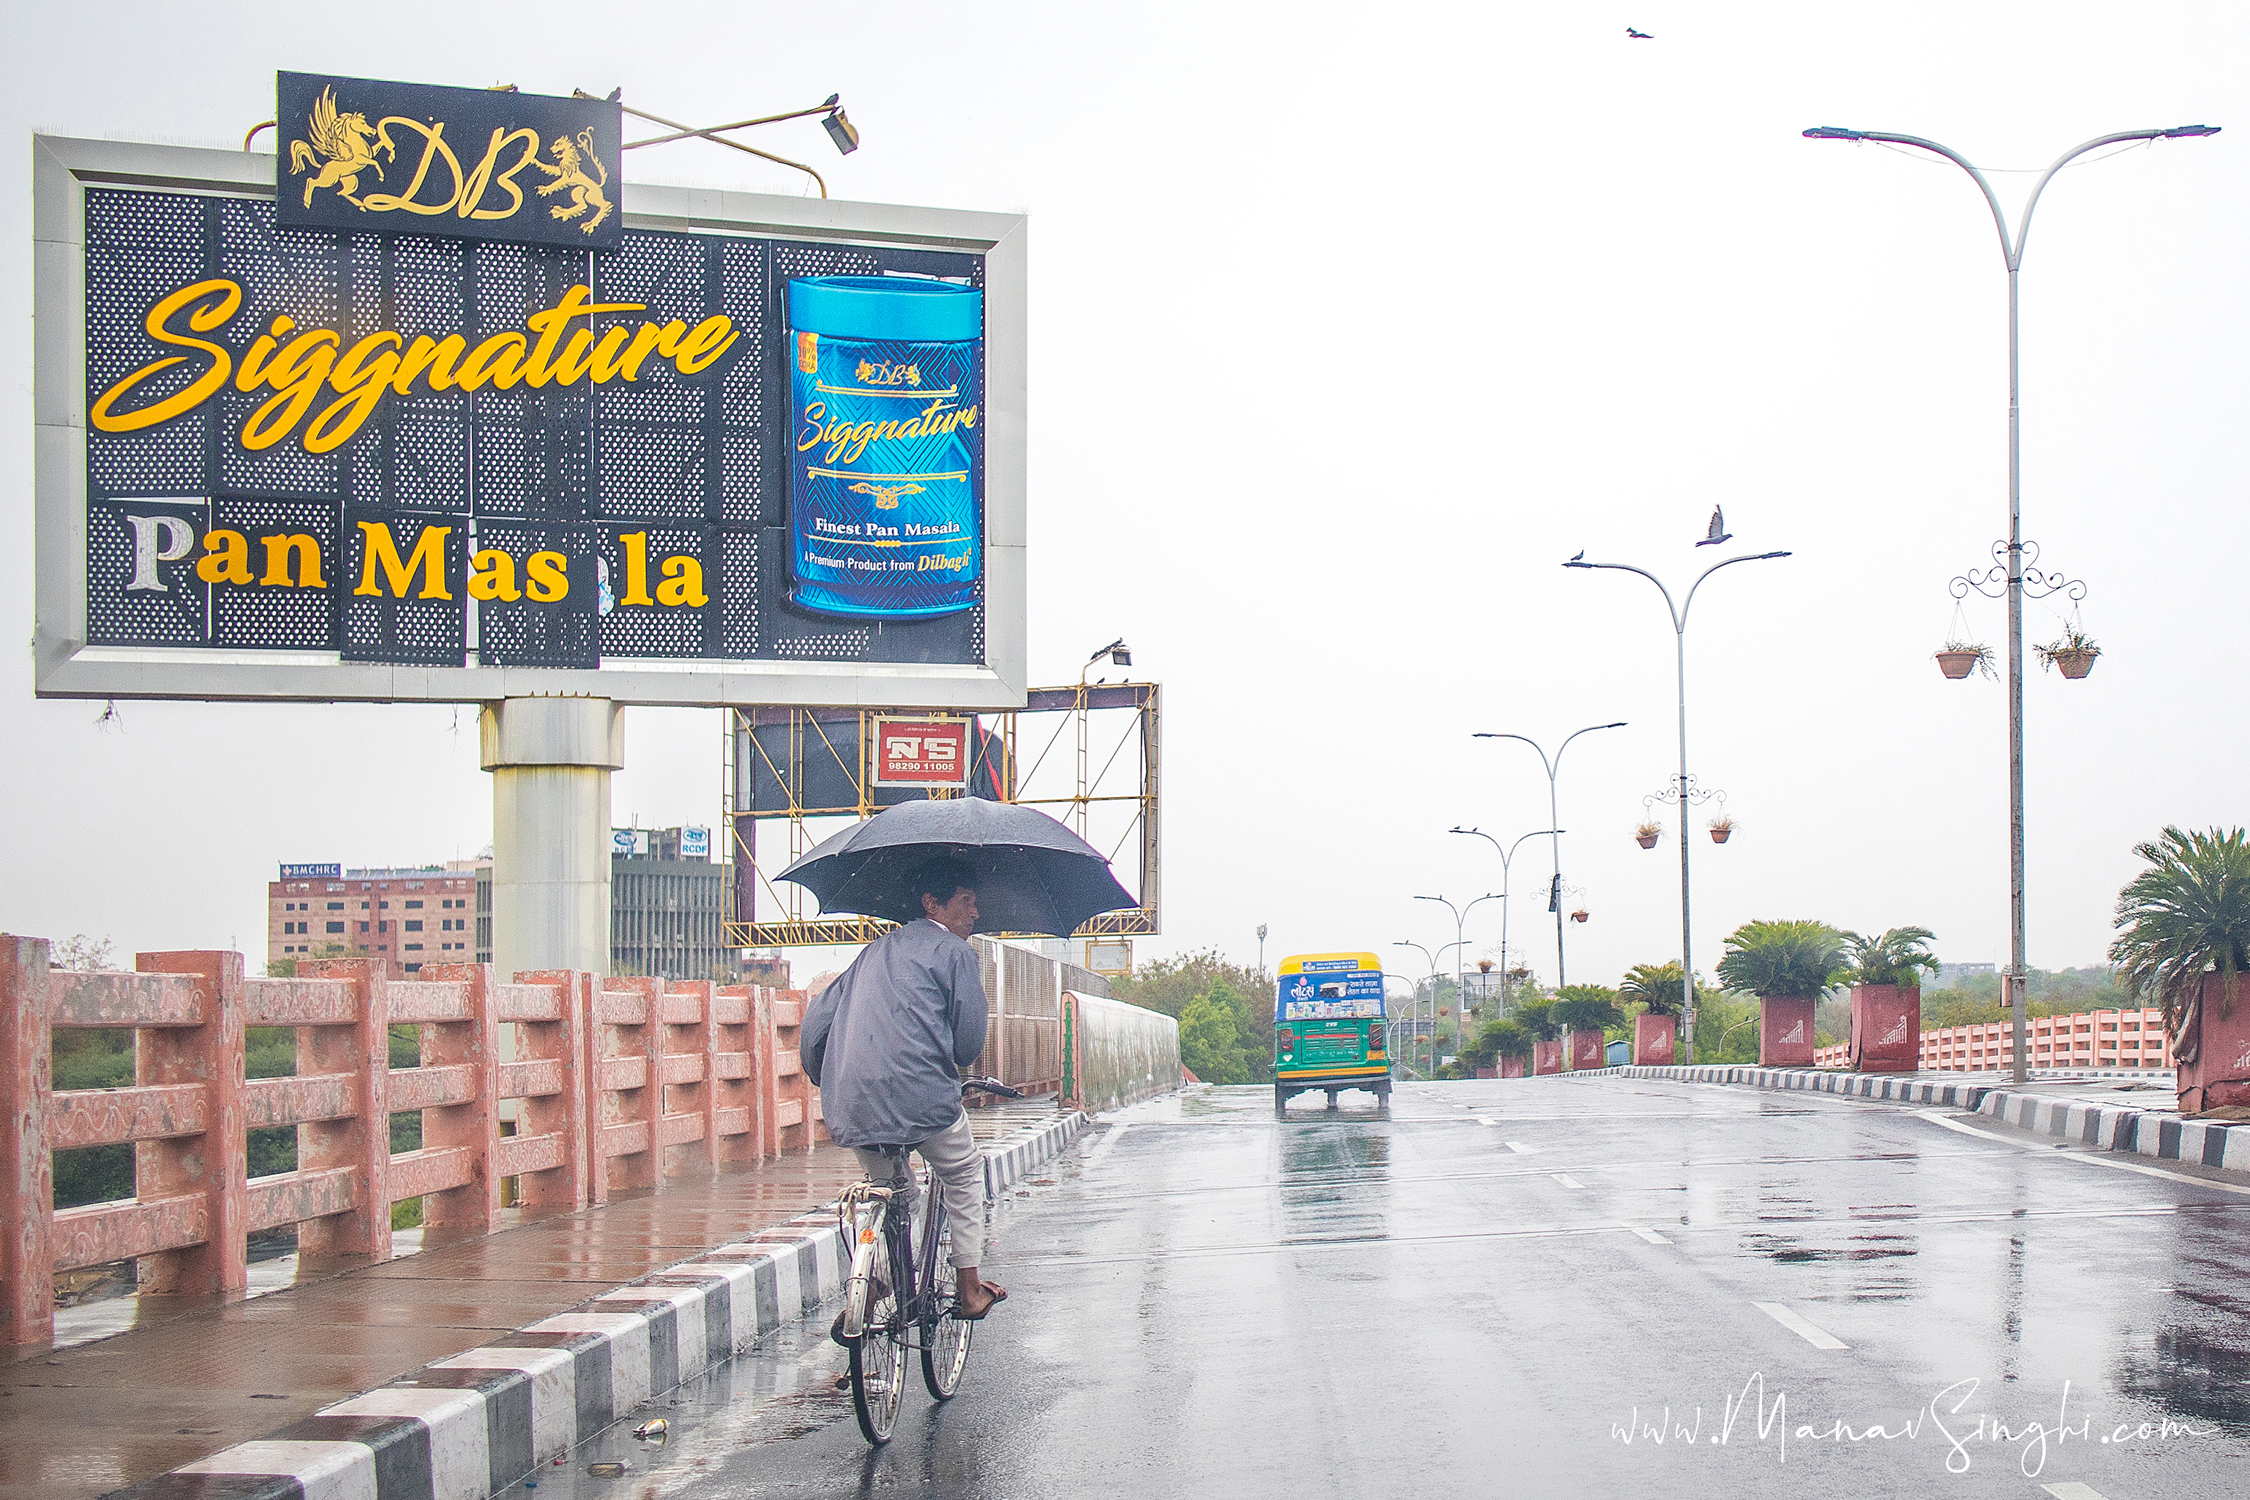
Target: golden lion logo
[(570, 175), (347, 142), (886, 495)]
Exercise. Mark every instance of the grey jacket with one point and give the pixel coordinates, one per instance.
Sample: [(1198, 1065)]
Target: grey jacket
[(886, 1041)]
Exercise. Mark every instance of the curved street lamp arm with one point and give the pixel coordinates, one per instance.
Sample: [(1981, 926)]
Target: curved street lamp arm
[(1538, 833), (1545, 764), (1707, 572), (1575, 733), (1677, 623), (2010, 251)]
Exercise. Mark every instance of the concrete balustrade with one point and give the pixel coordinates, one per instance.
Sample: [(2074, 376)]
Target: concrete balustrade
[(2085, 1039), (615, 1083)]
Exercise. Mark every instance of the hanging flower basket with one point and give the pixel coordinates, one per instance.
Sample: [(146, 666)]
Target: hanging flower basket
[(1579, 916), (1722, 828), (2074, 663), (1957, 664), (1647, 834)]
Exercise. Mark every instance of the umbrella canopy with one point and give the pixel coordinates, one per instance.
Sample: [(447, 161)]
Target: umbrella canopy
[(1032, 874)]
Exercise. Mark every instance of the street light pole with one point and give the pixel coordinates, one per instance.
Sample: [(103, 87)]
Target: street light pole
[(1460, 986), (1432, 981), (1679, 633), (2011, 253), (1507, 855), (1554, 828)]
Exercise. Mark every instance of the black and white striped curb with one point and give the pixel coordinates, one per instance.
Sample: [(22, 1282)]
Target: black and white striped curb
[(2111, 1127), (468, 1426), (1007, 1162), (2207, 1143)]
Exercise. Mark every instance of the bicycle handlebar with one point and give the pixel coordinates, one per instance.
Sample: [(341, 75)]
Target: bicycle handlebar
[(990, 1086)]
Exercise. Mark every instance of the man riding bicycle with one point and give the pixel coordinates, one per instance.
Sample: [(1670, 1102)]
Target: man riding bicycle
[(886, 1042)]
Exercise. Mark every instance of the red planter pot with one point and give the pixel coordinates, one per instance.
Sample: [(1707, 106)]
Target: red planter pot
[(1586, 1049), (1488, 1072), (1511, 1067), (1785, 1033), (1546, 1057), (2217, 1079), (1886, 1028), (1656, 1040)]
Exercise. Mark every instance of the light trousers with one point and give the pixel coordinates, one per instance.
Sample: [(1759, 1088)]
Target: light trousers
[(959, 1167)]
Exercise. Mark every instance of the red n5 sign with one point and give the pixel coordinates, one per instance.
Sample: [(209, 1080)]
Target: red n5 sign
[(921, 752)]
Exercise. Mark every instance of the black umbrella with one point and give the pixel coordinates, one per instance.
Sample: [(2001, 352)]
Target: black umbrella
[(1032, 874)]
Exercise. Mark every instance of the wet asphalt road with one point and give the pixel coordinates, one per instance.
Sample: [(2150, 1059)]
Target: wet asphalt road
[(1492, 1289)]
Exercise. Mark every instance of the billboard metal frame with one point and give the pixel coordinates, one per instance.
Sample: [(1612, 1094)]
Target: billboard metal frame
[(1069, 708), (66, 667)]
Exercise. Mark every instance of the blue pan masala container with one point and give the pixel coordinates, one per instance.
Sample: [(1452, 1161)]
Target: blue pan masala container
[(886, 492)]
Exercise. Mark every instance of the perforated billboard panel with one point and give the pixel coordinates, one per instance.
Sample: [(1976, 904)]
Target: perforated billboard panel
[(317, 464)]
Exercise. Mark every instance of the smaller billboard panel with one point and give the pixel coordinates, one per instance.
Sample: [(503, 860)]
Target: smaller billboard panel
[(312, 872), (695, 843), (920, 752)]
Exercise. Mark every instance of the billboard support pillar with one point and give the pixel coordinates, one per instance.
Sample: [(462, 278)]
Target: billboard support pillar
[(551, 760)]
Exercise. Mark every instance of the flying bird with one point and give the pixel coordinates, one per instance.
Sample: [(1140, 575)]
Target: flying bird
[(1639, 36), (1718, 532)]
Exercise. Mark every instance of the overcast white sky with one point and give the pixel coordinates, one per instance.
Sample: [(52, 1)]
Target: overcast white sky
[(1349, 324)]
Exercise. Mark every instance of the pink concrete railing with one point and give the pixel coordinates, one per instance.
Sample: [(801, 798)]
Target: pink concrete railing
[(2086, 1039), (612, 1087)]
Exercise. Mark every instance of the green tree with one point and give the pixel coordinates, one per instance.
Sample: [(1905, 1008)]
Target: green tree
[(1211, 1037), (1171, 985), (2189, 911), (1895, 957), (1773, 960)]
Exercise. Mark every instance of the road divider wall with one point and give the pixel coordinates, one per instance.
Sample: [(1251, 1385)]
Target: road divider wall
[(1115, 1053), (2108, 1127)]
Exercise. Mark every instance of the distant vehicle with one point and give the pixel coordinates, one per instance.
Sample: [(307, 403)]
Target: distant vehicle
[(1328, 1027)]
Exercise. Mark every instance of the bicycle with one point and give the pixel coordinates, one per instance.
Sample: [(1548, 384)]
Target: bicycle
[(899, 1296)]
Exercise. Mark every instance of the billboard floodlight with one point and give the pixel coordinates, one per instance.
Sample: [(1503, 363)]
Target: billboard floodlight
[(843, 132)]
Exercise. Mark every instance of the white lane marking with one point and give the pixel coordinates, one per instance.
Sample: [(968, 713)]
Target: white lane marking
[(1521, 1149), (1812, 1333), (1102, 1146), (2092, 1158), (1649, 1234), (1566, 1180), (2071, 1489)]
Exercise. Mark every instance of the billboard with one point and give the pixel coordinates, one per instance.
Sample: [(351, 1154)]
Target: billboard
[(312, 872), (695, 842), (729, 449), (920, 752)]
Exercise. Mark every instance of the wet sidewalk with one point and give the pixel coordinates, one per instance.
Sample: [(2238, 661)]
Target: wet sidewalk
[(190, 1376)]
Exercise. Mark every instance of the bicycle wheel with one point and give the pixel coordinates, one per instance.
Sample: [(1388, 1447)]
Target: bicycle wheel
[(945, 1338), (878, 1359)]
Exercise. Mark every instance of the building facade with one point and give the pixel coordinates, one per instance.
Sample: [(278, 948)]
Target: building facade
[(666, 911), (407, 917)]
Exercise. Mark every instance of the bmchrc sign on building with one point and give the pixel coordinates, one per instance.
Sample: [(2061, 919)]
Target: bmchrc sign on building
[(432, 405)]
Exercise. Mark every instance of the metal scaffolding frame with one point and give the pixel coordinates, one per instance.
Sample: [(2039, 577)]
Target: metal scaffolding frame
[(817, 739)]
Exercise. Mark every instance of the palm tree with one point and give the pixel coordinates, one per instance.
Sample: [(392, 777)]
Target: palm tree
[(1587, 1007), (1783, 960), (1656, 988), (1898, 957), (1538, 1017), (2187, 913)]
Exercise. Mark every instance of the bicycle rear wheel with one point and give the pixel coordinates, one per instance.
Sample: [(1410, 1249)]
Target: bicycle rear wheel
[(945, 1338), (878, 1358)]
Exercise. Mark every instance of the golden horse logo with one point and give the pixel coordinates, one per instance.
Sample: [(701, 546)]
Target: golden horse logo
[(886, 495), (570, 175), (346, 141)]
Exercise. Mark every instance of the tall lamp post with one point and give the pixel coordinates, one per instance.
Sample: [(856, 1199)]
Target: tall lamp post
[(2011, 254), (1507, 856), (1554, 820), (1431, 980), (1460, 985), (1679, 634)]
